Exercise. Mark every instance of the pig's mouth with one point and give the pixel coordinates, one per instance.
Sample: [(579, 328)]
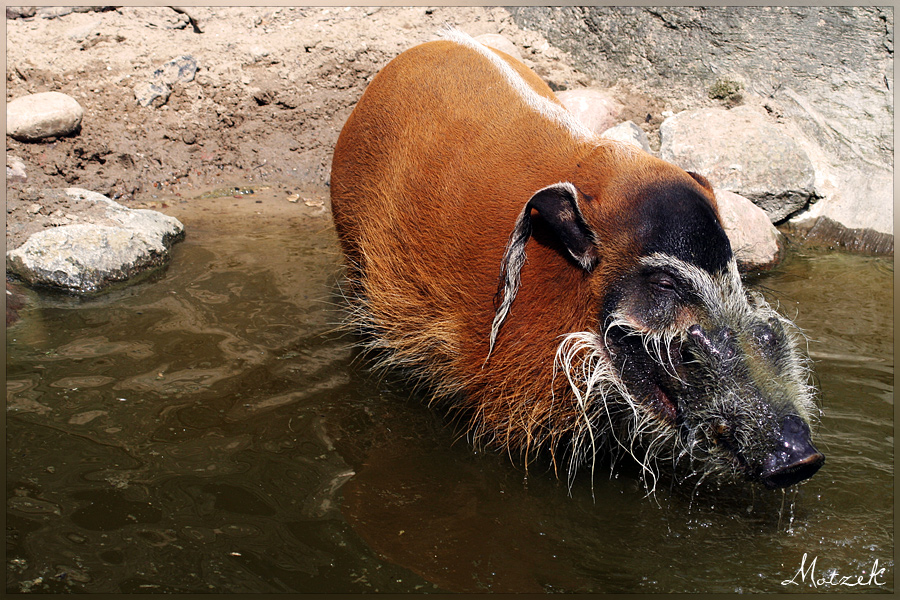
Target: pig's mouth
[(663, 405)]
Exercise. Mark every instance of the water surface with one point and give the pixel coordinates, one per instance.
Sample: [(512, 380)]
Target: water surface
[(208, 430)]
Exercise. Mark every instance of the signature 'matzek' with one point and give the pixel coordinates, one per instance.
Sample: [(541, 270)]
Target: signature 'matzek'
[(833, 578)]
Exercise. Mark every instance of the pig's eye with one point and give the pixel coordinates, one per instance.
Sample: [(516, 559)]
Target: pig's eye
[(662, 281)]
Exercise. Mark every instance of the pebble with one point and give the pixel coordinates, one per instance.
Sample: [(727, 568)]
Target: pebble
[(178, 70), (15, 169), (152, 94), (258, 53), (37, 116)]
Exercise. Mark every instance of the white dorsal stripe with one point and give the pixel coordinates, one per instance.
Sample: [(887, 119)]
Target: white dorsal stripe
[(549, 110)]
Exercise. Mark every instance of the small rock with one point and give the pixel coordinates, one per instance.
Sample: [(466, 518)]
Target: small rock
[(178, 70), (501, 43), (37, 116), (20, 12), (81, 32), (756, 244), (156, 91), (52, 12), (152, 94), (34, 209), (629, 133), (594, 108), (15, 169), (258, 53)]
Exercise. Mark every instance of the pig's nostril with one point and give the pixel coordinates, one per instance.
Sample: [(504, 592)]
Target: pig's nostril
[(794, 459)]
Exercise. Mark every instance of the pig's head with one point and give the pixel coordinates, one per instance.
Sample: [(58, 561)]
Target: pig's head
[(682, 362)]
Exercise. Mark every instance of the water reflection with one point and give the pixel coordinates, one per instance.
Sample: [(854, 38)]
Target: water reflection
[(208, 430)]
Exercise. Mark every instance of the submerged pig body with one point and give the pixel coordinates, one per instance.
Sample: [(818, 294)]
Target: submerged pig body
[(562, 292)]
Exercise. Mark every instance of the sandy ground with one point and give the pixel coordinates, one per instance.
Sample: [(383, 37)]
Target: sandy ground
[(273, 88)]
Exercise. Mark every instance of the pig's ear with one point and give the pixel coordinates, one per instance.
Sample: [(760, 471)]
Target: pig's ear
[(557, 205)]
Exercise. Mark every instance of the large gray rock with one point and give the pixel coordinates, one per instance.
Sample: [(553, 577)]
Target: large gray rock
[(756, 244), (825, 71), (855, 198), (741, 151), (37, 116), (85, 258)]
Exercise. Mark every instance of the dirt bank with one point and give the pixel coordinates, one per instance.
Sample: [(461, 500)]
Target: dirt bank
[(272, 90)]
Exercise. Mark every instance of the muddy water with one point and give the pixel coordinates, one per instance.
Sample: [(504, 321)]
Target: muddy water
[(207, 430)]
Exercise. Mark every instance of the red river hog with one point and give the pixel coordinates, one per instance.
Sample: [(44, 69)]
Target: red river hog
[(562, 293)]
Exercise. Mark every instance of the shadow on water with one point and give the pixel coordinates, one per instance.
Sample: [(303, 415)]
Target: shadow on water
[(209, 430)]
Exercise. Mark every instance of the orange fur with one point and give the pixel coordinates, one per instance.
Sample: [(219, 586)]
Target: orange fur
[(429, 176)]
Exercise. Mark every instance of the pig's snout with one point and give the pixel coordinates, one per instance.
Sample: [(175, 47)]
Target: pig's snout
[(794, 458)]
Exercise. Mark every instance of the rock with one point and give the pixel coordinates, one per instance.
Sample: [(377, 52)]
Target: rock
[(20, 12), (15, 169), (501, 43), (756, 244), (257, 53), (167, 229), (85, 258), (741, 151), (53, 12), (79, 33), (840, 64), (34, 209), (152, 94), (834, 90), (629, 133), (178, 70), (37, 116), (853, 198), (823, 231), (156, 91), (594, 108)]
